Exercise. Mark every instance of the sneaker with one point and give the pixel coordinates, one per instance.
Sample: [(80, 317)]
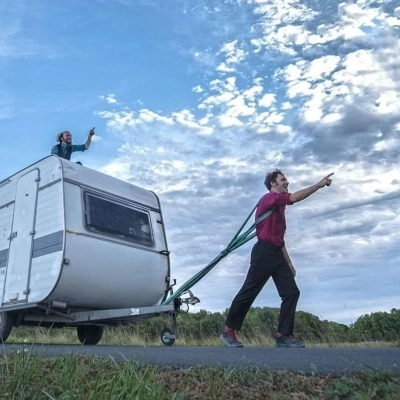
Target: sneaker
[(288, 341), (229, 338)]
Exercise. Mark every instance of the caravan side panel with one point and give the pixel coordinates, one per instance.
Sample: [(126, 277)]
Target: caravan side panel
[(44, 266), (105, 271), (6, 214), (47, 253)]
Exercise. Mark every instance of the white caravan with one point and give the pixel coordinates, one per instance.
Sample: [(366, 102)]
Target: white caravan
[(80, 248)]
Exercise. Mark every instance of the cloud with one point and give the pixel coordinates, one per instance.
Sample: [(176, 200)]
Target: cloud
[(348, 103), (198, 89), (110, 98), (96, 138), (233, 55), (306, 87)]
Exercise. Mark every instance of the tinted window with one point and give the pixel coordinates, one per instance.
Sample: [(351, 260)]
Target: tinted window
[(112, 218)]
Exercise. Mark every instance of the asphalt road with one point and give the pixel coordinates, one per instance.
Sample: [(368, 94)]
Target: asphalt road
[(308, 360)]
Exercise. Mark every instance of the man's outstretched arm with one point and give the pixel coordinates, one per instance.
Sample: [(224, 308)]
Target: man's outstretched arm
[(89, 139), (304, 193)]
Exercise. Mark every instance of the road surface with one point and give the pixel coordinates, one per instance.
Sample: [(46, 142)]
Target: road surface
[(308, 360)]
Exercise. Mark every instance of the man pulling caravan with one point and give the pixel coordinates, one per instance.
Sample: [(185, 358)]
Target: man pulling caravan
[(270, 258), (64, 147)]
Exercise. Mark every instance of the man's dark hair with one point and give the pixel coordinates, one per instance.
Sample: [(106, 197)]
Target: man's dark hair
[(59, 137), (271, 177)]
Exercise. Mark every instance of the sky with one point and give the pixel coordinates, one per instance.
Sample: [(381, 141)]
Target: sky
[(198, 100)]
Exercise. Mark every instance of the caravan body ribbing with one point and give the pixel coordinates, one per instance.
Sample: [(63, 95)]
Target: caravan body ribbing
[(76, 237)]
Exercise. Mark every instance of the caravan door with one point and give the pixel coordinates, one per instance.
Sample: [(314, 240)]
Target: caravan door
[(16, 287)]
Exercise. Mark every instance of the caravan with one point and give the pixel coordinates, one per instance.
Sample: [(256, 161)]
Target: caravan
[(80, 248)]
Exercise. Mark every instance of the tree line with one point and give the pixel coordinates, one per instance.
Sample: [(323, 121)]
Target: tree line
[(377, 326)]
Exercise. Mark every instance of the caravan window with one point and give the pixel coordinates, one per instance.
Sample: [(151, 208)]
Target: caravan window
[(116, 219)]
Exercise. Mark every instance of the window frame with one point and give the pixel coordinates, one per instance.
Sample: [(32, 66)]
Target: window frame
[(119, 202)]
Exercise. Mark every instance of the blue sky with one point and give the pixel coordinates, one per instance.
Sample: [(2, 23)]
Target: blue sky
[(198, 100)]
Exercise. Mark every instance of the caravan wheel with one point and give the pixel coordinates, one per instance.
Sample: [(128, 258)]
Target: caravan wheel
[(167, 337), (89, 334), (6, 324)]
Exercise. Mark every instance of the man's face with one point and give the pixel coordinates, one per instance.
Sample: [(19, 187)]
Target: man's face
[(66, 137), (281, 184)]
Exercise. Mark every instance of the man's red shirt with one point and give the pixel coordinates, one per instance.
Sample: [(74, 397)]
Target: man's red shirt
[(272, 229)]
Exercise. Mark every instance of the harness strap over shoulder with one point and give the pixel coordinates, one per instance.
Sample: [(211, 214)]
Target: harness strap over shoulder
[(238, 240)]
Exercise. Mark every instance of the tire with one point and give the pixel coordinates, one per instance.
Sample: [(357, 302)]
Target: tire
[(89, 334), (164, 339), (6, 324)]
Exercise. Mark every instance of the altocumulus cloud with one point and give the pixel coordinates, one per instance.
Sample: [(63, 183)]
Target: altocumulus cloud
[(310, 87)]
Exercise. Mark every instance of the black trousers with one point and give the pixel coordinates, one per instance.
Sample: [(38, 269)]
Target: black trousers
[(266, 260)]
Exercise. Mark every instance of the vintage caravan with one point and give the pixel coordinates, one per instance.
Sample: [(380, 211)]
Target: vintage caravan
[(80, 248)]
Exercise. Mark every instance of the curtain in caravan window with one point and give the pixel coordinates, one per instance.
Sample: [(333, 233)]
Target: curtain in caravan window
[(112, 218)]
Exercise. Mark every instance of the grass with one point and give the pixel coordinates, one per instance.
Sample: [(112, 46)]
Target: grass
[(125, 336), (23, 376)]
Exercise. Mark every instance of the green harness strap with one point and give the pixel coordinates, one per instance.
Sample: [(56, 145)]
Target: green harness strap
[(238, 240)]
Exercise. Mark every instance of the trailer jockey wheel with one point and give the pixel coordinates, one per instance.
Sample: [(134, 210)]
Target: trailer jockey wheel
[(6, 323), (168, 337), (89, 334)]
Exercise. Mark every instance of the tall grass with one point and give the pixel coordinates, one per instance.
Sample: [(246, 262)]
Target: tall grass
[(127, 336), (203, 328)]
